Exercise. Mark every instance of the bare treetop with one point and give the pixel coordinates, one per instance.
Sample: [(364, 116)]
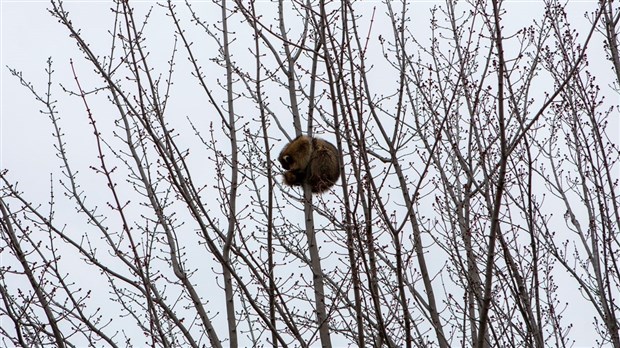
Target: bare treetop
[(463, 159)]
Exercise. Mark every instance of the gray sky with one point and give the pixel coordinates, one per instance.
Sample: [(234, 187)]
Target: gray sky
[(29, 35)]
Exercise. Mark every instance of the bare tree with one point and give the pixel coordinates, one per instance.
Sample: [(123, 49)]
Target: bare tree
[(479, 166)]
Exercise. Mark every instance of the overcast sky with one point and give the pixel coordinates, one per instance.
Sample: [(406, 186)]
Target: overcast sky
[(29, 35)]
